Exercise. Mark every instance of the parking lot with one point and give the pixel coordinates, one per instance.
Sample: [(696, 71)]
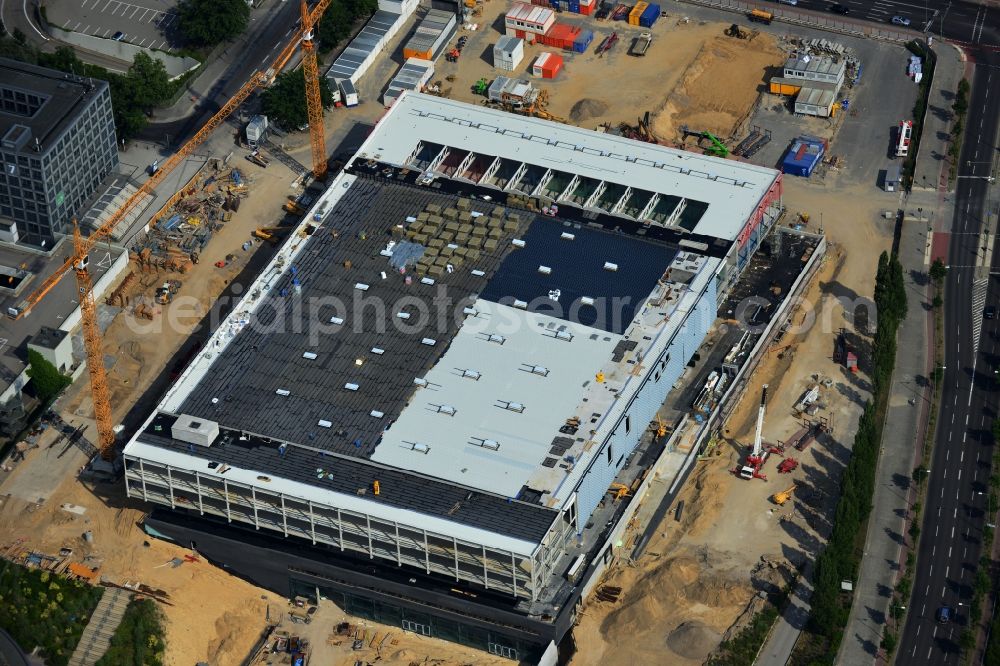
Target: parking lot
[(145, 23)]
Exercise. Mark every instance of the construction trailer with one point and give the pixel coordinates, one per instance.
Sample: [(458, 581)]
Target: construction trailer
[(355, 60), (524, 18), (893, 178), (513, 92), (432, 35), (547, 65), (803, 156), (413, 75), (256, 131), (508, 53)]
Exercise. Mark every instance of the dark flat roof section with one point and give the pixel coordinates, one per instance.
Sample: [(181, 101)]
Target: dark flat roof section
[(577, 269), (269, 356), (397, 488), (65, 95)]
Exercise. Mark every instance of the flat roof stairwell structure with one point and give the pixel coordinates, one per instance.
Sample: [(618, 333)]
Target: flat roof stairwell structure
[(419, 405)]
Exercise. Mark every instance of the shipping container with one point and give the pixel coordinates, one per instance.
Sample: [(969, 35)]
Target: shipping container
[(583, 40), (573, 7), (359, 55), (547, 65), (433, 33), (508, 53), (530, 18), (649, 16), (561, 35), (633, 16), (803, 156), (761, 16), (587, 8), (780, 85), (413, 75), (348, 92)]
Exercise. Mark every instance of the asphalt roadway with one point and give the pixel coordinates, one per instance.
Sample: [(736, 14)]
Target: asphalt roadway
[(962, 22), (955, 511)]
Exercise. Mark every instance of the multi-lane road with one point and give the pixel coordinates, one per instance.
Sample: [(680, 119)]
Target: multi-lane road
[(955, 511)]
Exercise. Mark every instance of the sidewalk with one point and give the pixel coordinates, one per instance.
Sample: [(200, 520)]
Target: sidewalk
[(909, 401)]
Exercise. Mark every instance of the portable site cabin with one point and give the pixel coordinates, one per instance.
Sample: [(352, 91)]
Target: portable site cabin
[(414, 75), (348, 93), (893, 178), (508, 53), (547, 65)]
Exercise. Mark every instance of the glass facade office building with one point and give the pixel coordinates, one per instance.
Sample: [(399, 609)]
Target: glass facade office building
[(57, 144)]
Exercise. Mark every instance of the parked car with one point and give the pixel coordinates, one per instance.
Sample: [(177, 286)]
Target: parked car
[(838, 8), (900, 20), (990, 312), (789, 2), (118, 36)]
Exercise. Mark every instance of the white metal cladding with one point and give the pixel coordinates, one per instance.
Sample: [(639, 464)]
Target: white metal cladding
[(644, 406), (271, 509)]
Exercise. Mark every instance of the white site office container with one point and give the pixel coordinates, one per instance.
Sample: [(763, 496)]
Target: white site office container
[(414, 75), (508, 53)]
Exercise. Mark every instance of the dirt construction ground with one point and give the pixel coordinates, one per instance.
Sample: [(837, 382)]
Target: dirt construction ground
[(696, 581), (692, 74)]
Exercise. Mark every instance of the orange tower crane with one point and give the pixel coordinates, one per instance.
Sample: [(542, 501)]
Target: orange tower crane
[(80, 258), (314, 102)]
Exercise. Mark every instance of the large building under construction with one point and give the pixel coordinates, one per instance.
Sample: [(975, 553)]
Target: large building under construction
[(419, 406)]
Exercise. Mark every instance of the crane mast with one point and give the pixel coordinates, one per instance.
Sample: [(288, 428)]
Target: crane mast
[(314, 101)]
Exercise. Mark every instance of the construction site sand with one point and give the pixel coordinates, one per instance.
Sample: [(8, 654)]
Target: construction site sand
[(619, 87), (214, 617), (695, 579)]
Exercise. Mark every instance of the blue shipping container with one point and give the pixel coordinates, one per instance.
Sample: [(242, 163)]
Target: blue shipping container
[(574, 7), (648, 17), (802, 157), (581, 43)]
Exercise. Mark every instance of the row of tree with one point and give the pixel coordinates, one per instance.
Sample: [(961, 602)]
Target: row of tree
[(840, 559), (138, 640), (134, 94), (205, 23)]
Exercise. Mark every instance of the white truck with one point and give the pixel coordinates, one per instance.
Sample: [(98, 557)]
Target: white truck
[(641, 44)]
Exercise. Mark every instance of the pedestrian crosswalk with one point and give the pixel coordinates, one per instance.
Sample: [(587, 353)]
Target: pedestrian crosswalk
[(979, 289)]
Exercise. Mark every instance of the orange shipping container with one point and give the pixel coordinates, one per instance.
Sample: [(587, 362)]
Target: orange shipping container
[(547, 65), (780, 88), (636, 13), (423, 55)]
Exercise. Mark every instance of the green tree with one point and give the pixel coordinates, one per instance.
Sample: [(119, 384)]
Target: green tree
[(45, 377), (338, 19), (889, 642), (285, 101), (148, 81), (211, 22), (938, 271), (961, 103), (334, 26)]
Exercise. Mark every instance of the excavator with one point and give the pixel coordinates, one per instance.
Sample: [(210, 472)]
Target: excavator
[(781, 497), (715, 147)]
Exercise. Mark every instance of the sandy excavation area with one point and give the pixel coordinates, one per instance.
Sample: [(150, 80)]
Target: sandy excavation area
[(692, 74), (695, 585), (215, 617)]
